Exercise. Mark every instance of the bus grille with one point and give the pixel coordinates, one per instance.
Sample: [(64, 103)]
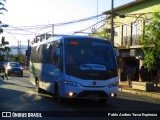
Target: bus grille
[(87, 93)]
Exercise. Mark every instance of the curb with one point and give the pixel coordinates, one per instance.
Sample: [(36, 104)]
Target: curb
[(142, 93)]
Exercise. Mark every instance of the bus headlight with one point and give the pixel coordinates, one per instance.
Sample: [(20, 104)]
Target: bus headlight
[(70, 94), (113, 84), (112, 94), (70, 83)]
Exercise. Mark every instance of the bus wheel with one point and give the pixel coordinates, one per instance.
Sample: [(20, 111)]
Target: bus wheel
[(37, 86), (60, 99), (57, 95)]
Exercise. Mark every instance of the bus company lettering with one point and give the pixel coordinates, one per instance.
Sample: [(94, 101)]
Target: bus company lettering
[(93, 67)]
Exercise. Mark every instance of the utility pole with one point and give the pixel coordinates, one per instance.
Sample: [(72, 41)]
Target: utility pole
[(28, 53), (19, 50), (52, 30), (97, 15), (112, 23)]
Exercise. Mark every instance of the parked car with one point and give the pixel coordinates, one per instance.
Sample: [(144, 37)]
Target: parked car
[(14, 68)]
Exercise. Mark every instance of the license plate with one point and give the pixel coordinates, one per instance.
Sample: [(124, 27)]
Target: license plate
[(93, 96)]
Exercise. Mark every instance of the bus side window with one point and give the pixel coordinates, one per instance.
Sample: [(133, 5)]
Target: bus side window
[(33, 54), (51, 54), (58, 57), (44, 54)]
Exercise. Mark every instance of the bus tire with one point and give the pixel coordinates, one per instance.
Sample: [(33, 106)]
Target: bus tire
[(37, 86), (57, 95), (59, 98)]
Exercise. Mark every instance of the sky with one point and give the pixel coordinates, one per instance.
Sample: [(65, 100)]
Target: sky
[(27, 18)]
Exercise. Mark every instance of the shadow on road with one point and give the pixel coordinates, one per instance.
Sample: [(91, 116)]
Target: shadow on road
[(11, 82), (113, 104), (15, 99)]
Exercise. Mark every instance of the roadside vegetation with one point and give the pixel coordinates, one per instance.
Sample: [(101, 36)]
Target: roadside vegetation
[(151, 45), (4, 49), (102, 34)]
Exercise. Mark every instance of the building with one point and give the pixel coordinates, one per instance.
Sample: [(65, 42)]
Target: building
[(129, 23)]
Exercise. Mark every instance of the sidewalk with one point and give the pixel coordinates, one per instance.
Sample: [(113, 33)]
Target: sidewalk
[(124, 87)]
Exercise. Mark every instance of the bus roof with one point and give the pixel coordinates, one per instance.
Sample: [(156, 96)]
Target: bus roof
[(58, 37)]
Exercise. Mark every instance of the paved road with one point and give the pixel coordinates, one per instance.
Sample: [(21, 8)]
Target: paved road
[(18, 94)]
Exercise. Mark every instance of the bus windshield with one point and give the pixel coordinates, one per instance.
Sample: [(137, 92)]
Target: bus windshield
[(89, 59)]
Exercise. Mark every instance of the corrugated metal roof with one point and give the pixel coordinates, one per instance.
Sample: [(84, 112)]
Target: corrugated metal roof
[(126, 6)]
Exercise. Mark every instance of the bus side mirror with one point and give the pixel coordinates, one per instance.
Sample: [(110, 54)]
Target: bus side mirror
[(116, 52), (57, 52)]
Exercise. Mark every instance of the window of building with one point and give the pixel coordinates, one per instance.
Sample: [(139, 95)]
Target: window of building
[(132, 33), (136, 32), (117, 35), (126, 35)]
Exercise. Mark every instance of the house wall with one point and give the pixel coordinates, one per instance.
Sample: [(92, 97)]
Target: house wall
[(136, 15)]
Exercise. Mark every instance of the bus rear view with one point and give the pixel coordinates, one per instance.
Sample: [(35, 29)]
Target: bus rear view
[(90, 69)]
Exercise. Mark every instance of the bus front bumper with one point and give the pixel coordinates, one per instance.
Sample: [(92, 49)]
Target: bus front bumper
[(90, 93)]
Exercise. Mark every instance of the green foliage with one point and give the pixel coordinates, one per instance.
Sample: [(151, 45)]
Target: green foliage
[(4, 50), (102, 34), (151, 43), (2, 8), (18, 58)]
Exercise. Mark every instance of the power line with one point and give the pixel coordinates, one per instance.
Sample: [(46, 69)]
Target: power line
[(17, 33), (90, 26), (29, 28), (41, 27), (12, 35), (24, 28), (80, 20), (80, 31)]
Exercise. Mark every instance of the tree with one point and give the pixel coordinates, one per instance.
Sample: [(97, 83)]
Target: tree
[(151, 43), (2, 9), (2, 6), (102, 34), (4, 50)]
